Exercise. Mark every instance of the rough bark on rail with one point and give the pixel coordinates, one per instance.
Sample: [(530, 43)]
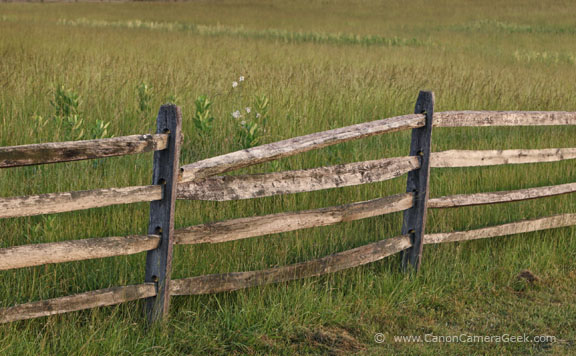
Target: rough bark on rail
[(500, 197), (223, 188), (75, 250), (503, 118), (242, 228), (471, 158), (88, 300), (54, 152), (519, 227), (216, 283), (79, 200)]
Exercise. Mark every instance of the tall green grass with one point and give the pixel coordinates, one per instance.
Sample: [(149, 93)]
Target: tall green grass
[(122, 75)]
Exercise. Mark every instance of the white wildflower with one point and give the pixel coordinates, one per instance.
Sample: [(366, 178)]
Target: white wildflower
[(243, 123), (241, 79), (258, 115), (248, 109), (234, 84), (236, 114)]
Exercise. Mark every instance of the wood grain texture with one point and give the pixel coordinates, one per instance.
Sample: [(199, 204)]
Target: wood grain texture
[(503, 118), (468, 158), (545, 223), (54, 152), (285, 148), (414, 222), (242, 228), (79, 200), (76, 250), (216, 283), (166, 171), (222, 188), (88, 300), (500, 197)]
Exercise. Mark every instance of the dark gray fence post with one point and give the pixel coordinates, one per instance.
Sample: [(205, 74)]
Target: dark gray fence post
[(415, 218), (166, 171)]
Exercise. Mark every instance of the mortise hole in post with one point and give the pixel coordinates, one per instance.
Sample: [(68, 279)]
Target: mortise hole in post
[(166, 131), (420, 153), (158, 230), (411, 231), (155, 279), (161, 181)]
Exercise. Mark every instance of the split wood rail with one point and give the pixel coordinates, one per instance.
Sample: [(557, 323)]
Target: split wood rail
[(203, 181)]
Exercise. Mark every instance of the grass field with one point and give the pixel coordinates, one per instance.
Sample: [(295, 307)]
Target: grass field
[(321, 64)]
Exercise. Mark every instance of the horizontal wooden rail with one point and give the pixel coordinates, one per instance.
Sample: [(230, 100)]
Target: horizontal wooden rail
[(223, 188), (239, 159), (467, 158), (75, 250), (503, 118), (500, 197), (519, 227), (216, 283), (242, 228), (54, 152), (79, 200), (235, 160), (89, 300)]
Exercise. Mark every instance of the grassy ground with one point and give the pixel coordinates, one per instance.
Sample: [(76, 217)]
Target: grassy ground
[(322, 64)]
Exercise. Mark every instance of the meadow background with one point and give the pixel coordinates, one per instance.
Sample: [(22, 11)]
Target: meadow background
[(90, 70)]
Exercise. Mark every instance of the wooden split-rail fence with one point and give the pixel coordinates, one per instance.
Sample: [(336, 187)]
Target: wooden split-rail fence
[(203, 181)]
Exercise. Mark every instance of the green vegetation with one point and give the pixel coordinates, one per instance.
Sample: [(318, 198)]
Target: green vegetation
[(203, 117), (318, 65)]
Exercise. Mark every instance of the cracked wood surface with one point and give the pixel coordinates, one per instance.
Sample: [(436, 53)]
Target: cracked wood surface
[(42, 153), (235, 229), (75, 250), (217, 283), (70, 201), (500, 197), (222, 188)]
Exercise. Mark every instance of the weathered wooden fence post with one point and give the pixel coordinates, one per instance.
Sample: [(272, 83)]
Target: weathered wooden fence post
[(166, 172), (415, 218)]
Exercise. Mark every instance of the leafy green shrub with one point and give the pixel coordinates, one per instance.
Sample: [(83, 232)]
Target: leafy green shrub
[(203, 116), (66, 102), (66, 105), (100, 129)]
